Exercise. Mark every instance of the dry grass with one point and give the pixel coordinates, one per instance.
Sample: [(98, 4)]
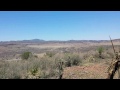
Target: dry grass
[(90, 66), (20, 69)]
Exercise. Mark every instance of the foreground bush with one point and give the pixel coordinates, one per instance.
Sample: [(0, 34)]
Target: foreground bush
[(72, 60), (37, 68)]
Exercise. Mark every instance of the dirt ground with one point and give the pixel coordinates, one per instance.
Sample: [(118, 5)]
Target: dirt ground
[(87, 71)]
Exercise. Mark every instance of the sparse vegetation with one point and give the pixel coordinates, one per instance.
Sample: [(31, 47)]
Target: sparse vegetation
[(47, 63)]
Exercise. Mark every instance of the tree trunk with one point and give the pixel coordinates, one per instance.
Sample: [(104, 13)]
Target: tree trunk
[(113, 68)]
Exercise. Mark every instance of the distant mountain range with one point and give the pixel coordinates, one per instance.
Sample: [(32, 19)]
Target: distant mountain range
[(55, 41)]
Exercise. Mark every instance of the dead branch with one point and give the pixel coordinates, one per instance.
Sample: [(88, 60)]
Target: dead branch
[(115, 64)]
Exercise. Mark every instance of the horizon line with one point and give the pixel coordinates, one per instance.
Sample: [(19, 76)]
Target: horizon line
[(60, 40)]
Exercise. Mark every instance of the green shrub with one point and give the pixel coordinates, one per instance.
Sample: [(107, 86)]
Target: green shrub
[(34, 71), (26, 55), (100, 51), (72, 59), (75, 60)]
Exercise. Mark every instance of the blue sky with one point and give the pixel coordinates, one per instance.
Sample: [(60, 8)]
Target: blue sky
[(59, 25)]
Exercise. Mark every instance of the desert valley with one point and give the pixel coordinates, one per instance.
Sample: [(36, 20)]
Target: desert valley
[(80, 59)]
